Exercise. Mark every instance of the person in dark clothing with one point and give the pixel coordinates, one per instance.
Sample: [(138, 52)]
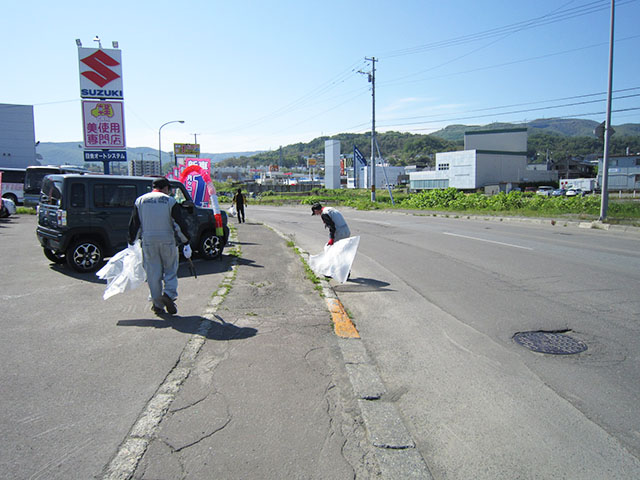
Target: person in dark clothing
[(334, 221), (239, 200), (155, 215)]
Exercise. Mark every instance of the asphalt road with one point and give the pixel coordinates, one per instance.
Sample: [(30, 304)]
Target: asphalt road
[(437, 302), (76, 369)]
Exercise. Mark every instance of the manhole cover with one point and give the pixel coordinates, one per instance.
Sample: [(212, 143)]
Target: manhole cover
[(554, 343)]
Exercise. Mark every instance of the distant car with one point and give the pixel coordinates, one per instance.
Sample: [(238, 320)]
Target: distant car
[(558, 192), (8, 208), (574, 192), (544, 190), (529, 189)]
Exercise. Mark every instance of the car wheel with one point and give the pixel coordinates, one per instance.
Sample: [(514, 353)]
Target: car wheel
[(210, 246), (84, 255), (11, 197), (53, 256)]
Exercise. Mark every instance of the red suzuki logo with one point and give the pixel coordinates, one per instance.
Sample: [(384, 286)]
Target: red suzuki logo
[(100, 63)]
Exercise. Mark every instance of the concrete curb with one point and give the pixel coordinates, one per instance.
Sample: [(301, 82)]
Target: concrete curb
[(393, 447)]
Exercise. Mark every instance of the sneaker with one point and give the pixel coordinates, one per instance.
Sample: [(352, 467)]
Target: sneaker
[(157, 310), (168, 303)]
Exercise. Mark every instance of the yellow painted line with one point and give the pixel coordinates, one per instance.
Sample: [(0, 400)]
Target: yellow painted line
[(342, 324)]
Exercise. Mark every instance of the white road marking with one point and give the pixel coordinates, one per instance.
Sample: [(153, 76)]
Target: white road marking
[(488, 241)]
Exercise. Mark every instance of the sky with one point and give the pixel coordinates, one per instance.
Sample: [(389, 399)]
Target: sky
[(255, 75)]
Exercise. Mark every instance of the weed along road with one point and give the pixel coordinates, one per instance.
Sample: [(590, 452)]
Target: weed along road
[(438, 303)]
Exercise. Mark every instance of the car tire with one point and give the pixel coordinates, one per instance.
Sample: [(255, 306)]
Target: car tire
[(11, 197), (54, 257), (210, 245), (4, 212), (85, 255)]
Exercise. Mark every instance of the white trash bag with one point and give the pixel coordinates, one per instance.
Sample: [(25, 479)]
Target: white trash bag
[(336, 260), (232, 211), (124, 271)]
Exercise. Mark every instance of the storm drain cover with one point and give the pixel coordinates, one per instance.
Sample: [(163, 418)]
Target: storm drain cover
[(554, 343)]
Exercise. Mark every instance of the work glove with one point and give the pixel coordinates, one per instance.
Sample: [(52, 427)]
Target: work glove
[(330, 242), (186, 251)]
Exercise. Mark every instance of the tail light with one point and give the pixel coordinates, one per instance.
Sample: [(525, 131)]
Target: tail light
[(62, 218)]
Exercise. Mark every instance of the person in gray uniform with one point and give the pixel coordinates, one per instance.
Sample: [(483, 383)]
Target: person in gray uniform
[(334, 221), (154, 216)]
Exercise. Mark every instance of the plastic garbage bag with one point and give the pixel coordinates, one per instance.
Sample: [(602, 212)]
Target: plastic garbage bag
[(336, 260), (124, 271), (232, 211)]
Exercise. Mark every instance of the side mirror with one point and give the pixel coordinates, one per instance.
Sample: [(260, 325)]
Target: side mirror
[(188, 205)]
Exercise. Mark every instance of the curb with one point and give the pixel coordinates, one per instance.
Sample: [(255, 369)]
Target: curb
[(393, 447)]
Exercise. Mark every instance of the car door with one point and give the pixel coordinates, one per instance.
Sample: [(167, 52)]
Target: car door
[(113, 203)]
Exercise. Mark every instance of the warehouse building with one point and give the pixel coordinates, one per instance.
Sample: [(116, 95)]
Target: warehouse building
[(17, 136), (490, 157)]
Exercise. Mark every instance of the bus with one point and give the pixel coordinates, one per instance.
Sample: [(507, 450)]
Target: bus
[(13, 184), (34, 176)]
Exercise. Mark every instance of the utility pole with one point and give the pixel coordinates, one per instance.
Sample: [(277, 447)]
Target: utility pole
[(372, 80), (604, 195)]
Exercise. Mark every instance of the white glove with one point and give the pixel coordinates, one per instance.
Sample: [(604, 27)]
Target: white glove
[(186, 251)]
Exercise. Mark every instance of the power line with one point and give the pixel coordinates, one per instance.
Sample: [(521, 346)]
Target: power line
[(398, 81), (558, 16)]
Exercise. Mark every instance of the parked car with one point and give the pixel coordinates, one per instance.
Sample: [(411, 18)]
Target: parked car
[(544, 190), (7, 208), (529, 189), (83, 219), (573, 192), (558, 192)]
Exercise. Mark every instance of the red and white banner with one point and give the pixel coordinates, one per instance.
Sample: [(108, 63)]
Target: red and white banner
[(100, 73)]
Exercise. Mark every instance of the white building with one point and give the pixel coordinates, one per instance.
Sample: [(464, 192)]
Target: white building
[(17, 136), (144, 167), (490, 157), (386, 175), (332, 164)]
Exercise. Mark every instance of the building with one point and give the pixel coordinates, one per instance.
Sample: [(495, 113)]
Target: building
[(491, 158), (624, 173), (17, 136), (144, 167)]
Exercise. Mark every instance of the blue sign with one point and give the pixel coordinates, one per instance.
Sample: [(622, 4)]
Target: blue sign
[(105, 156), (357, 155)]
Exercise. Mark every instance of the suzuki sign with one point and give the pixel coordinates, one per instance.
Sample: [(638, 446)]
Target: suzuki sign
[(100, 73)]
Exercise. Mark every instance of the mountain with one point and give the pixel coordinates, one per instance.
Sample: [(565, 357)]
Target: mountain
[(71, 153), (567, 127)]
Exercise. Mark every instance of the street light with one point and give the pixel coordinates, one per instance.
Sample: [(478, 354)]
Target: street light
[(160, 141)]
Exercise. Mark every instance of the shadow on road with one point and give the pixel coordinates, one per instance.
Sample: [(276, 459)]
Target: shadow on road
[(362, 285), (203, 267), (219, 330)]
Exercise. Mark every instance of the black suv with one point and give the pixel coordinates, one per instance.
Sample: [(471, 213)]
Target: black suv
[(82, 219)]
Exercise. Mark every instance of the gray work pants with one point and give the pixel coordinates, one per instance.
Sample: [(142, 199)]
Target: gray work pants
[(160, 261)]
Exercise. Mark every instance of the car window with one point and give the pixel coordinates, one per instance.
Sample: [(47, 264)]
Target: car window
[(51, 192), (114, 196), (178, 194), (77, 199)]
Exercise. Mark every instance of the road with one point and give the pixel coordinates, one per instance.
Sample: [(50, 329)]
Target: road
[(438, 301), (77, 370)]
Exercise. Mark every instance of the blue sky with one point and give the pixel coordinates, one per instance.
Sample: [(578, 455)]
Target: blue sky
[(254, 75)]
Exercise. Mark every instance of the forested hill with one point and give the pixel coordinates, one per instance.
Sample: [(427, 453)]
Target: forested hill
[(564, 138)]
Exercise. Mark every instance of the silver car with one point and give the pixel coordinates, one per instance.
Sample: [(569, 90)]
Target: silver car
[(8, 208)]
